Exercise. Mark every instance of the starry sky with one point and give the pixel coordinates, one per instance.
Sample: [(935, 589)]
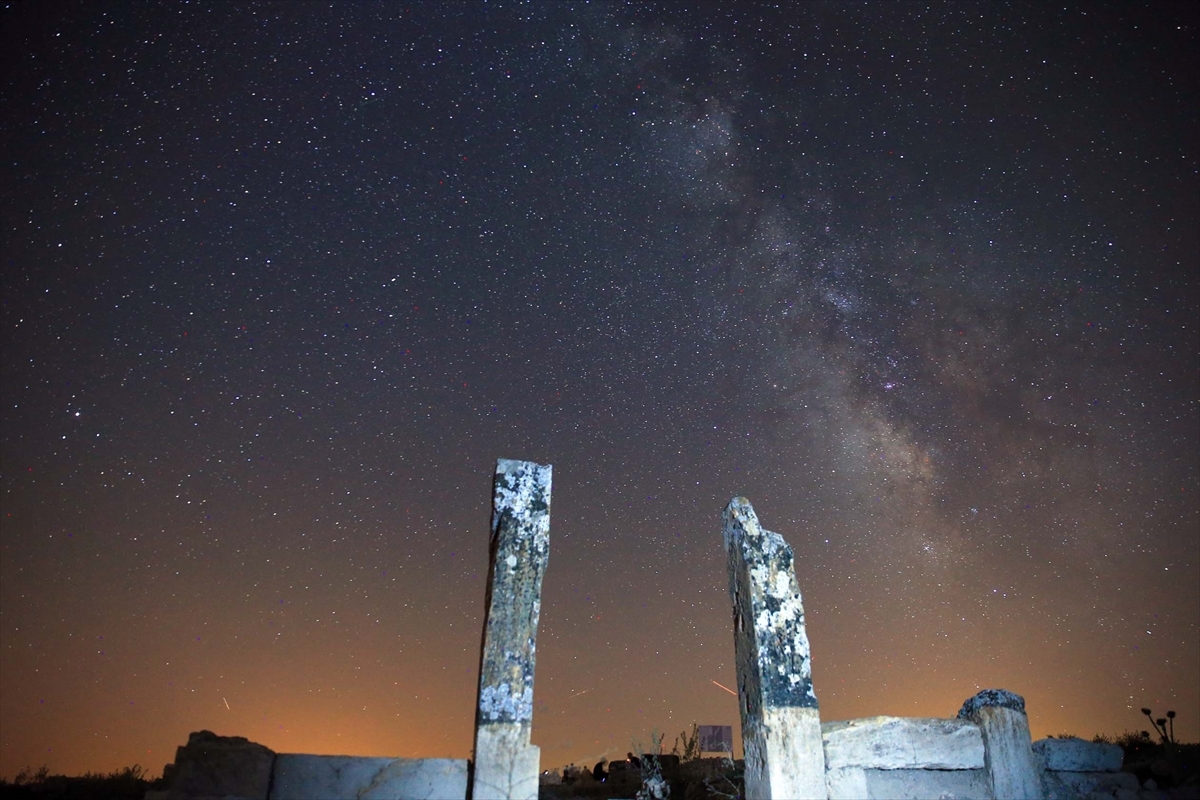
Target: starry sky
[(281, 281)]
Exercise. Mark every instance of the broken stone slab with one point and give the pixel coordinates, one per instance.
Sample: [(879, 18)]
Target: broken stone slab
[(1007, 746), (781, 725), (846, 783), (922, 784), (903, 743), (212, 766), (302, 777), (855, 783), (1077, 755), (506, 764)]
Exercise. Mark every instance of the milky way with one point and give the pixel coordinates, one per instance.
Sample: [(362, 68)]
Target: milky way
[(282, 281)]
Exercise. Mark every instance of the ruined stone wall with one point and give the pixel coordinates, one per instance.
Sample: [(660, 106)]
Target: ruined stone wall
[(983, 754), (986, 753), (907, 757), (233, 768), (1073, 768), (866, 759), (904, 757)]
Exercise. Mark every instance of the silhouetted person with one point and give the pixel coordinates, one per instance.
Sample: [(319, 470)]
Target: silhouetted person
[(598, 771), (634, 761)]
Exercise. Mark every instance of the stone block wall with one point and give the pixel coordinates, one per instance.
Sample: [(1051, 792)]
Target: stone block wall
[(983, 754), (233, 768), (302, 777), (1072, 769), (904, 757)]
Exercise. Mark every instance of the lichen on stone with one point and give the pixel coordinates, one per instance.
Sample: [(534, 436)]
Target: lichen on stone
[(1001, 698), (520, 542), (771, 602), (502, 704), (522, 494)]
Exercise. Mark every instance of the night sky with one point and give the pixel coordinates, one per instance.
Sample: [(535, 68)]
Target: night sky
[(281, 281)]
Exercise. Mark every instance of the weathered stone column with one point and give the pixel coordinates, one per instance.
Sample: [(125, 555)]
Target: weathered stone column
[(1007, 748), (781, 725), (506, 764)]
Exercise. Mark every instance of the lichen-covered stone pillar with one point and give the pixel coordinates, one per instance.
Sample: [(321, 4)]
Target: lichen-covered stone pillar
[(781, 725), (1007, 749), (506, 764)]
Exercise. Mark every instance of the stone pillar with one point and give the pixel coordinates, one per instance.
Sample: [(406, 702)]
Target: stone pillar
[(506, 764), (781, 725), (1007, 749)]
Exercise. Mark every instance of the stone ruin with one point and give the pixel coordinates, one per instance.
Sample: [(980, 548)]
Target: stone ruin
[(985, 753), (506, 764)]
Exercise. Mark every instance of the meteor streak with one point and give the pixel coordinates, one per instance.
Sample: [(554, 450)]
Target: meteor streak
[(726, 688)]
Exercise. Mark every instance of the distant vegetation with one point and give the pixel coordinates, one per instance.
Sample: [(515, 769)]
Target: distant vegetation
[(1166, 761), (1160, 726), (690, 749), (129, 783)]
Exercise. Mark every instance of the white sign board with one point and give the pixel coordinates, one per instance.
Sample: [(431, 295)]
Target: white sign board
[(716, 738)]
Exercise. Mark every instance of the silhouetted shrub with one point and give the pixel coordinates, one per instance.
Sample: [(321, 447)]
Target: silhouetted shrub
[(129, 783), (691, 744), (1160, 726)]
